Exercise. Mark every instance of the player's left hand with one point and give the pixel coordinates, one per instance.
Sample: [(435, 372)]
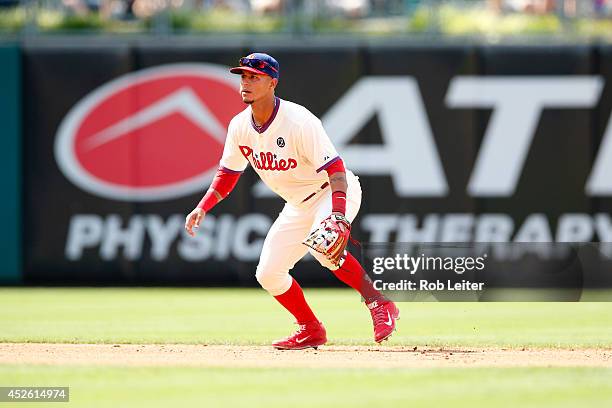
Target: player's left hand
[(342, 221), (331, 237)]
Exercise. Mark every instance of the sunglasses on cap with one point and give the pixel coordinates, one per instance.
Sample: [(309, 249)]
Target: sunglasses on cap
[(255, 63)]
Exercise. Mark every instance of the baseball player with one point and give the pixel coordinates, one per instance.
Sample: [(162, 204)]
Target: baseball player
[(291, 152)]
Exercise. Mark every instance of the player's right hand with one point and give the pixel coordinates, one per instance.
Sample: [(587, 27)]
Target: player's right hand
[(193, 220)]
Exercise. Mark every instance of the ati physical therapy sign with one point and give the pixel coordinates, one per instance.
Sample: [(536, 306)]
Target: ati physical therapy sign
[(155, 135)]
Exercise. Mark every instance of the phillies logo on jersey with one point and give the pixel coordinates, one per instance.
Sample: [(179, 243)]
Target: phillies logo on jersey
[(149, 135), (267, 160)]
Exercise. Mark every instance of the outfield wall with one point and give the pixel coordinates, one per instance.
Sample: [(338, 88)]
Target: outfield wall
[(10, 163), (451, 143)]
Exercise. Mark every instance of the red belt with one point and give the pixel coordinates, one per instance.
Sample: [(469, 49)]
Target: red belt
[(313, 194)]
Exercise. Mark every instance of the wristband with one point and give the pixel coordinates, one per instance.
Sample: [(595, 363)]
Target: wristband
[(339, 202)]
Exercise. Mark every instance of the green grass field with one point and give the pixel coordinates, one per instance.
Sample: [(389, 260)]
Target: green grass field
[(250, 316)]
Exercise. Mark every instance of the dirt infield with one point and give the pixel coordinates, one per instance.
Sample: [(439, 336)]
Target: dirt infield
[(327, 356)]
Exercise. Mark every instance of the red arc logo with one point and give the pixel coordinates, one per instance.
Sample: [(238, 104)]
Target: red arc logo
[(149, 135)]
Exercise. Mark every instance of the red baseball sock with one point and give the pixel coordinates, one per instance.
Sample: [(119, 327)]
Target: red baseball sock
[(293, 300), (354, 275)]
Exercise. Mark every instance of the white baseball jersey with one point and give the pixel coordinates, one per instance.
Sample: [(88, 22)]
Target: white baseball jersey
[(290, 152)]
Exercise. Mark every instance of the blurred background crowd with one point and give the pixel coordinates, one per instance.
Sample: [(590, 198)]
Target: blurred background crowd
[(450, 17)]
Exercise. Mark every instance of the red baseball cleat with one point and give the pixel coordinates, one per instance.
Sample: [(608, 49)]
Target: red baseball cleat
[(384, 316), (311, 334)]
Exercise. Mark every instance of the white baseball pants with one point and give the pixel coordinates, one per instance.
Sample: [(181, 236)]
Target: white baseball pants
[(283, 247)]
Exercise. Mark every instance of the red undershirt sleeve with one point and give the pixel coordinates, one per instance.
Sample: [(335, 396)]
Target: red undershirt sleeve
[(224, 182), (338, 197)]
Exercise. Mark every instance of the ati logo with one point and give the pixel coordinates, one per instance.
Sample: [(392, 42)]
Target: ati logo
[(409, 154), (267, 160), (280, 142), (149, 135)]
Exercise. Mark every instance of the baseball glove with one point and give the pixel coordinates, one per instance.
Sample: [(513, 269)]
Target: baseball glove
[(330, 237)]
